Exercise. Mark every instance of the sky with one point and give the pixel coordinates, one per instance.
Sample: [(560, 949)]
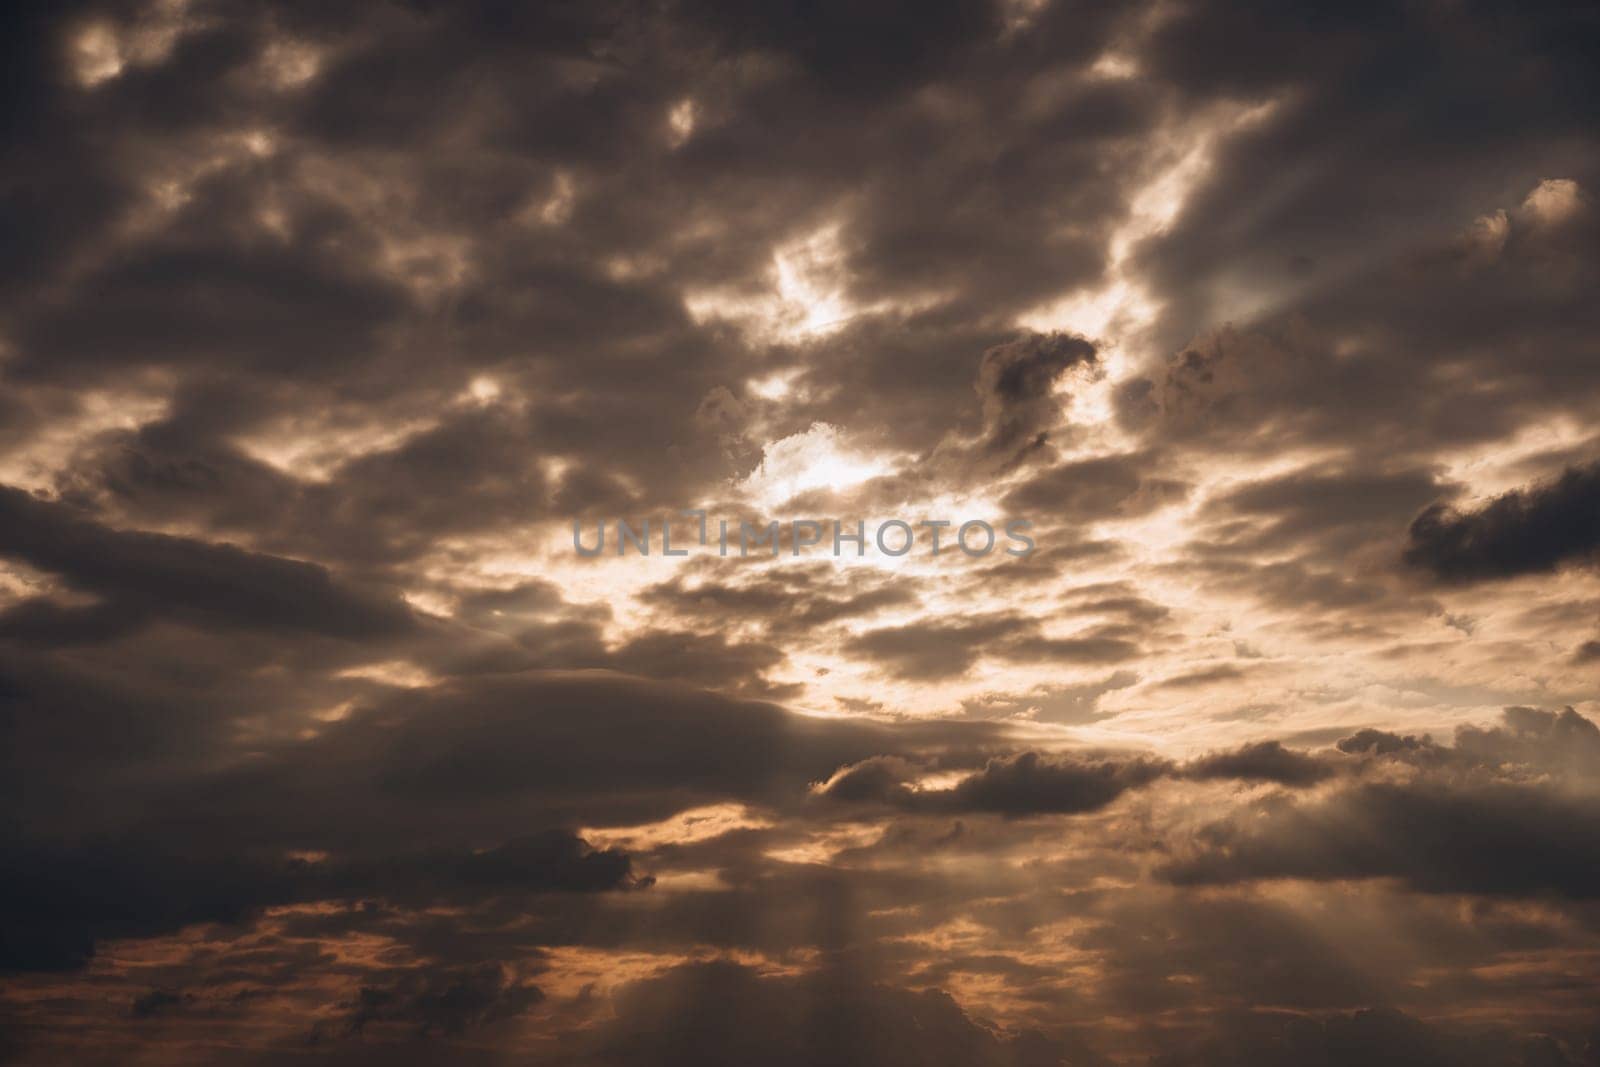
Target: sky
[(333, 336)]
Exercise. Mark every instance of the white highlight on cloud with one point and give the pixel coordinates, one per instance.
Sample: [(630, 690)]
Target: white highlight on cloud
[(289, 64), (816, 458), (71, 424), (1121, 305), (311, 447), (680, 121), (102, 49), (1488, 236), (1553, 201), (774, 386), (806, 296), (556, 208)]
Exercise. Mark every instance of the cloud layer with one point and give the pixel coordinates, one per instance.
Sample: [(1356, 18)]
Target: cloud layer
[(320, 326)]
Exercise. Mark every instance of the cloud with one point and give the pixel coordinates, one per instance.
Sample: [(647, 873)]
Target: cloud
[(1262, 761), (929, 651), (149, 573), (1383, 1037), (1496, 814), (319, 323), (723, 1013), (1015, 383), (1062, 783), (1032, 784), (1526, 531), (1107, 487), (444, 1001), (65, 900)]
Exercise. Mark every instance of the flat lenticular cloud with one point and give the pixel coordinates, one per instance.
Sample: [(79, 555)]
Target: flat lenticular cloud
[(323, 327)]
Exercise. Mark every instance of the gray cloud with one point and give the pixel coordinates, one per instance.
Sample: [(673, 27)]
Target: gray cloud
[(316, 319), (1526, 531)]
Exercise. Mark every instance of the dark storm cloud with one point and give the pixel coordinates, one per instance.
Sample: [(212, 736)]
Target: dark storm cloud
[(61, 193), (391, 794), (482, 757), (214, 275), (1489, 819), (148, 573), (62, 901), (464, 471), (253, 306), (1526, 531), (345, 301)]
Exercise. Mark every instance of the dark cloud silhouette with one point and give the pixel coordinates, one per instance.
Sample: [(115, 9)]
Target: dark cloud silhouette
[(1040, 783), (1526, 531), (1014, 384), (1029, 784), (1026, 783), (145, 573), (1262, 761), (64, 900)]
